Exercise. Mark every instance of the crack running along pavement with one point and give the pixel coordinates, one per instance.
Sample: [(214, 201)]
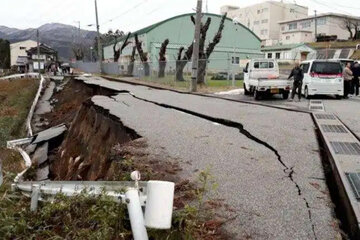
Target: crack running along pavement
[(289, 171)]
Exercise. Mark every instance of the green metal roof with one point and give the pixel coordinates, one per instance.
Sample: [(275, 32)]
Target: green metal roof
[(151, 27), (283, 47)]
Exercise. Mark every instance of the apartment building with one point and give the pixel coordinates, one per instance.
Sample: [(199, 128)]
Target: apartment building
[(303, 29), (263, 19)]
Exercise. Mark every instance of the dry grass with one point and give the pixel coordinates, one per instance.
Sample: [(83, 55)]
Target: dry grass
[(16, 97), (347, 44), (356, 55)]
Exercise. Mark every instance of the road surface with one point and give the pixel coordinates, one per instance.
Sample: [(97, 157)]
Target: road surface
[(265, 160)]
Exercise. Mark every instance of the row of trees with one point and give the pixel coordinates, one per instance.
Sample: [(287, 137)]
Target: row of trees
[(183, 56), (4, 54)]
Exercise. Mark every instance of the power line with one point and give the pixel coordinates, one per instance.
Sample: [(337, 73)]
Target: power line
[(125, 12)]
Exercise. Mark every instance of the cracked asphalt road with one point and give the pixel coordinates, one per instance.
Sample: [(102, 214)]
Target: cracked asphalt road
[(285, 199)]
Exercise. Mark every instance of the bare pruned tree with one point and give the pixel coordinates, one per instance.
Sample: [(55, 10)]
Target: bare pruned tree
[(117, 53), (183, 60), (204, 55), (162, 58), (352, 26), (132, 60), (78, 52), (143, 56)]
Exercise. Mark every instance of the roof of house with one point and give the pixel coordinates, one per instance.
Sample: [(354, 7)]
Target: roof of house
[(279, 47), (320, 15), (153, 26), (43, 49)]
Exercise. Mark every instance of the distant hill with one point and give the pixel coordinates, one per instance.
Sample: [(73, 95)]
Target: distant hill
[(61, 37)]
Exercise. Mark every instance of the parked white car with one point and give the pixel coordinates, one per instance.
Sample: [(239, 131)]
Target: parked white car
[(322, 77), (261, 76)]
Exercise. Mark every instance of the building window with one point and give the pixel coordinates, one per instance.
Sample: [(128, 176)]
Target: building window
[(287, 37), (277, 55), (22, 48), (283, 28), (235, 60), (264, 21), (321, 21), (256, 22), (292, 26), (264, 32), (292, 10), (305, 24), (258, 11), (269, 55)]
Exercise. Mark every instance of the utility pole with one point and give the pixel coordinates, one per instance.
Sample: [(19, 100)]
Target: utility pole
[(38, 50), (315, 20), (195, 56), (98, 36)]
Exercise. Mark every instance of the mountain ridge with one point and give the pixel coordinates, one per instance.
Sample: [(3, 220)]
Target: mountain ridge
[(59, 36)]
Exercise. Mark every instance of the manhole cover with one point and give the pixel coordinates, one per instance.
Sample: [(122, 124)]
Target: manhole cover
[(316, 108), (354, 180), (334, 128), (325, 116), (346, 148), (316, 102)]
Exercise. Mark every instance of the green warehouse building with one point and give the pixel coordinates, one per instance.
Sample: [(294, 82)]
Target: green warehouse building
[(237, 42)]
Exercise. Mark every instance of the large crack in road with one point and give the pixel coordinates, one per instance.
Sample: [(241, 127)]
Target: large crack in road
[(289, 171)]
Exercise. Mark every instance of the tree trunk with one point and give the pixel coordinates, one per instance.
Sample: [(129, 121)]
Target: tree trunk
[(201, 71), (146, 69), (132, 60), (130, 69), (162, 58), (180, 65), (162, 67)]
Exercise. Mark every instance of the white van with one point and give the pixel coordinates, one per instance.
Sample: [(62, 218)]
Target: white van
[(261, 76), (322, 77)]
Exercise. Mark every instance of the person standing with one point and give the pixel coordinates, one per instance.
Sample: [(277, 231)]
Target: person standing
[(355, 80), (298, 75), (348, 76)]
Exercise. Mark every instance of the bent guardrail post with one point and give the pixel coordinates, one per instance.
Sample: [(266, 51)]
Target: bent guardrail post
[(35, 192), (157, 198)]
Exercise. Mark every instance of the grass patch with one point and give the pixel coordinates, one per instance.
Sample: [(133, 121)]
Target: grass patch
[(16, 97), (210, 86), (337, 44)]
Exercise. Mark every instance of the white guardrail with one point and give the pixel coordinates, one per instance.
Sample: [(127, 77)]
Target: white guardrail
[(156, 196), (24, 75)]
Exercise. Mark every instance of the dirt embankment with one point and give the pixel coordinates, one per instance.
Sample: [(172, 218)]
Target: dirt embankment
[(85, 153)]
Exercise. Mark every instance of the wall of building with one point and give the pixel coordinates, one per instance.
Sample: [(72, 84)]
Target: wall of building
[(237, 41), (286, 55), (326, 25), (263, 18), (19, 49), (296, 37)]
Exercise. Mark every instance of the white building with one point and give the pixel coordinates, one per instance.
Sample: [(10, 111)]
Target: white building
[(19, 50), (263, 19), (303, 30), (289, 52)]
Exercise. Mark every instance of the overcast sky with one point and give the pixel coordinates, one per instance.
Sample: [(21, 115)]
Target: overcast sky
[(130, 15)]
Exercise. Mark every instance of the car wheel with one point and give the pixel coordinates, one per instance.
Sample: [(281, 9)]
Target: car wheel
[(246, 92), (306, 94), (339, 97), (285, 95), (256, 95)]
